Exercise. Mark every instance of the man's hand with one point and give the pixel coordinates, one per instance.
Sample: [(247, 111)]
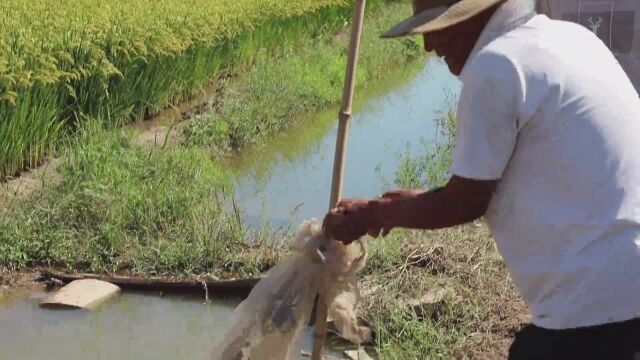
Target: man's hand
[(353, 218)]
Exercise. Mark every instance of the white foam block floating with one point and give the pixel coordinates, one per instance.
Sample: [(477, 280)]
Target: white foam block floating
[(81, 294)]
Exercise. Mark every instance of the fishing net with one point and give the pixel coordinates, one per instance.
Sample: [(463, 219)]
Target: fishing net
[(269, 323)]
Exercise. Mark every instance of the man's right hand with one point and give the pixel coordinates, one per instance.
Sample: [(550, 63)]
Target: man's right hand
[(353, 218)]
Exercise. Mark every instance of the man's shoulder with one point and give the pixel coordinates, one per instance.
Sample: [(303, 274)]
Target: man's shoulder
[(488, 62), (526, 43), (490, 77), (540, 29)]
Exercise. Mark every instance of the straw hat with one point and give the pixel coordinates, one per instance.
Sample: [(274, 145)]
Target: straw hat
[(440, 14)]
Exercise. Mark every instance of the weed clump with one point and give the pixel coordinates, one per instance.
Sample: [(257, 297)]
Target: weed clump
[(462, 305), (128, 208)]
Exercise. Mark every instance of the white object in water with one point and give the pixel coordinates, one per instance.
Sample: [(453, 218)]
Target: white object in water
[(82, 294)]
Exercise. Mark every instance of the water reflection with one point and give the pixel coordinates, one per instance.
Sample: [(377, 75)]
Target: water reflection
[(289, 180), (131, 326)]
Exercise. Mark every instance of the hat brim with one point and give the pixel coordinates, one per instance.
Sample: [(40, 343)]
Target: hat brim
[(440, 17), (409, 25)]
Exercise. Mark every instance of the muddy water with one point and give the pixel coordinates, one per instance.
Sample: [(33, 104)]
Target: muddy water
[(131, 326), (290, 179)]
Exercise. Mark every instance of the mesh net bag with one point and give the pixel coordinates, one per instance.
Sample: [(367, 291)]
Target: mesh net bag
[(269, 323)]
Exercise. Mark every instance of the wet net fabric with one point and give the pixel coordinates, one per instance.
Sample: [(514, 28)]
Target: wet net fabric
[(269, 323)]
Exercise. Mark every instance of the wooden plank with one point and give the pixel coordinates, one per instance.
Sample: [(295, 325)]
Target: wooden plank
[(82, 294), (240, 288)]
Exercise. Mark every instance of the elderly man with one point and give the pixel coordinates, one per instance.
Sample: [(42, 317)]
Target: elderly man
[(615, 22), (548, 149)]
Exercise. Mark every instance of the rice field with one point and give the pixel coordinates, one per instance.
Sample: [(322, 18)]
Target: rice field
[(62, 61)]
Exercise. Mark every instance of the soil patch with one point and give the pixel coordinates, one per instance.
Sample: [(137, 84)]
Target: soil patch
[(165, 127), (11, 281), (29, 182)]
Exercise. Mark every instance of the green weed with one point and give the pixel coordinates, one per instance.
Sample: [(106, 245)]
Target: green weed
[(430, 169)]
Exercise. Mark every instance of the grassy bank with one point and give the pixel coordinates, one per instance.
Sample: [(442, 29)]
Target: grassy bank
[(124, 207), (303, 137), (302, 79), (63, 62), (440, 294)]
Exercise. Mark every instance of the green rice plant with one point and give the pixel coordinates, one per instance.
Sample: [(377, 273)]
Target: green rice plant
[(33, 128), (119, 60)]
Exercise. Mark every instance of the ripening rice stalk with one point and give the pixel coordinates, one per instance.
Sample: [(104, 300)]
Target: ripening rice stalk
[(65, 60)]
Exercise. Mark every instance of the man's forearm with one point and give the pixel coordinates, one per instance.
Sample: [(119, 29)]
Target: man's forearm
[(444, 207)]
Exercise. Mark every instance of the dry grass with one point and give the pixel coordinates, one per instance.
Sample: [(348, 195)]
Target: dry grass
[(480, 309)]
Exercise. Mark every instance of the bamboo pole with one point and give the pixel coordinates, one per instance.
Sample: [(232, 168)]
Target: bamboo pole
[(340, 155)]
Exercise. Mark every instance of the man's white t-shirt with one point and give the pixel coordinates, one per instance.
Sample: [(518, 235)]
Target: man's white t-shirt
[(546, 108)]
